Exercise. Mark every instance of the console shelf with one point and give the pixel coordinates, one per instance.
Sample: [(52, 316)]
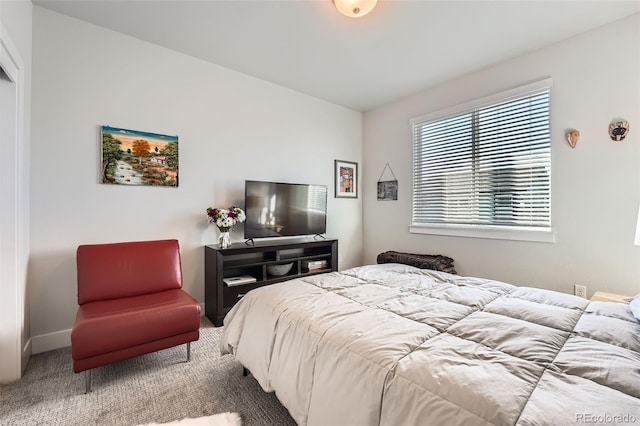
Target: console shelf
[(240, 259)]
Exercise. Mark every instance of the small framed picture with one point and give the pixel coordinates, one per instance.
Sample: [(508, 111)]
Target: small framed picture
[(388, 190), (346, 179)]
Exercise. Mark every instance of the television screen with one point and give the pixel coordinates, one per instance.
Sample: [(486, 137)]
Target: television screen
[(284, 209)]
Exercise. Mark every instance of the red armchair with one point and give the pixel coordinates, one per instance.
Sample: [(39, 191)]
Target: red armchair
[(131, 303)]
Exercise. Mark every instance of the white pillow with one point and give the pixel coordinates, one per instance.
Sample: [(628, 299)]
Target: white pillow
[(634, 305)]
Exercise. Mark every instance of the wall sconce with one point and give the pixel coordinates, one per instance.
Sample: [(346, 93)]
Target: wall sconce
[(354, 8)]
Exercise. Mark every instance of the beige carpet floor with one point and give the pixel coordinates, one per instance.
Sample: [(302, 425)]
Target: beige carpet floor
[(158, 387)]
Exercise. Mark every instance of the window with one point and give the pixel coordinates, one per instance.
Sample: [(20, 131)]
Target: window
[(484, 169)]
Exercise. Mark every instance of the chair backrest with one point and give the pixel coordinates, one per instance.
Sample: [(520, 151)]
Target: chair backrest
[(112, 271)]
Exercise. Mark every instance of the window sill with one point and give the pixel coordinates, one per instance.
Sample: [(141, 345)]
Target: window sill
[(542, 235)]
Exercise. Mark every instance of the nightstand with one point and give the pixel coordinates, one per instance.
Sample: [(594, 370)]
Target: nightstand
[(601, 296)]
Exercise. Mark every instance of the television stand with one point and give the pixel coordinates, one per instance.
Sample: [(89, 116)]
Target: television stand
[(315, 237), (250, 242), (307, 256)]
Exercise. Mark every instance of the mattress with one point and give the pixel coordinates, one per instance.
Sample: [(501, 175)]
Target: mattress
[(396, 345)]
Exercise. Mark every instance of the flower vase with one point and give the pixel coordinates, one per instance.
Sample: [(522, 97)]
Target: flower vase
[(224, 240)]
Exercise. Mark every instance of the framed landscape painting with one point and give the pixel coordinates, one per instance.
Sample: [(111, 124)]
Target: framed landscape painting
[(346, 179), (133, 157)]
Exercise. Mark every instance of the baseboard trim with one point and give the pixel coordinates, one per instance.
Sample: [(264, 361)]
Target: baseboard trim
[(50, 341), (26, 355)]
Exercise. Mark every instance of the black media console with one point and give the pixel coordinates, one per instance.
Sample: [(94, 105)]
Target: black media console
[(257, 261)]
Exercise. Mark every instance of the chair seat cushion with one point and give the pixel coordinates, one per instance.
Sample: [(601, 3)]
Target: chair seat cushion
[(110, 325)]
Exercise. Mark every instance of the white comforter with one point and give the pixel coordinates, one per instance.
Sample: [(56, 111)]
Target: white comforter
[(396, 345)]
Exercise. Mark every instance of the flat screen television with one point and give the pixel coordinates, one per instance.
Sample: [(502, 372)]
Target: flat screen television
[(277, 209)]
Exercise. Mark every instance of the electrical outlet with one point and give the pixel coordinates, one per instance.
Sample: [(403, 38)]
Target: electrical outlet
[(580, 290)]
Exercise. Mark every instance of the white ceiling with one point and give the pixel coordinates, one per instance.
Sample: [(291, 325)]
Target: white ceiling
[(401, 47)]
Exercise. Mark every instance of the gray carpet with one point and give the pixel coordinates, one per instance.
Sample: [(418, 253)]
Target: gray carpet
[(158, 387)]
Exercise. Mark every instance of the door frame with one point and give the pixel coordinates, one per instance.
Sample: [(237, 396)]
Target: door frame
[(14, 216)]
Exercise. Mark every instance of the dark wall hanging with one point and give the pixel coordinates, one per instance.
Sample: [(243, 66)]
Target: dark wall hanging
[(387, 189)]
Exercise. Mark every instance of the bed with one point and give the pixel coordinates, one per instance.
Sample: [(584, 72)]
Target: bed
[(392, 344)]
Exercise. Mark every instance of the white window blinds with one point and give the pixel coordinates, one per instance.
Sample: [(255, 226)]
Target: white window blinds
[(485, 165)]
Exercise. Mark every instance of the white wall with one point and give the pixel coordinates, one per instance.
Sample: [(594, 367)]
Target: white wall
[(231, 127), (15, 59), (595, 187)]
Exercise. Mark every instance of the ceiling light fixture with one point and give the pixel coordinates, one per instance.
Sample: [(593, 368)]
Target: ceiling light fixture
[(354, 8)]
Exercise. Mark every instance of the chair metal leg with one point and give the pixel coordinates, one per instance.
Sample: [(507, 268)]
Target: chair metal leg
[(188, 351), (87, 381)]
